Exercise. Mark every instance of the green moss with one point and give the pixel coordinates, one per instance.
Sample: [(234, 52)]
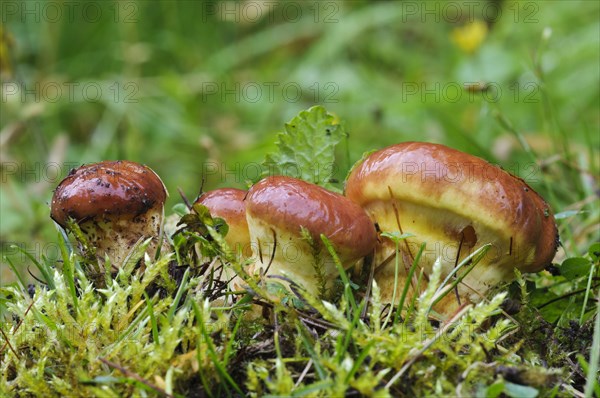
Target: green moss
[(115, 343)]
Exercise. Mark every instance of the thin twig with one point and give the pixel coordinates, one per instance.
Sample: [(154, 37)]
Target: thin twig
[(428, 343), (304, 372), (135, 376), (564, 296), (201, 190), (462, 237), (9, 345), (18, 325), (273, 252), (363, 315), (184, 198)]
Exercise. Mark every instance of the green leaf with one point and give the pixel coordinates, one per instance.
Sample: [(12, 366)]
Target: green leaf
[(306, 149), (396, 236), (495, 389), (180, 209), (594, 251), (519, 391), (550, 312), (103, 380), (568, 213), (575, 267)]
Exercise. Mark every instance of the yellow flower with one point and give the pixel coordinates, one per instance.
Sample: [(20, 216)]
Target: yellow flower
[(469, 37)]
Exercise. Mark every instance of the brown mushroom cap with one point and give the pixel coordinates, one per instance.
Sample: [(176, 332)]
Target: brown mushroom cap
[(288, 204), (105, 189), (228, 204), (461, 191)]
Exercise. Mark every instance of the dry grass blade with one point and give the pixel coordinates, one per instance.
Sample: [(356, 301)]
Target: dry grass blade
[(7, 343), (17, 328), (426, 346), (135, 376)]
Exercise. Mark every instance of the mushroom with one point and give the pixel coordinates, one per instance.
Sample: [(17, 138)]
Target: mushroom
[(455, 203), (228, 204), (286, 218), (115, 203)]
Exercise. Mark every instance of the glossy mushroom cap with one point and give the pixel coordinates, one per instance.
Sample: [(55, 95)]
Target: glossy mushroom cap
[(115, 204), (456, 203), (278, 208), (228, 204)]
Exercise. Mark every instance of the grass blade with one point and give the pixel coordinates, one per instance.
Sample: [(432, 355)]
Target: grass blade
[(17, 274), (46, 272), (338, 264), (587, 292), (179, 294), (212, 352), (411, 272), (304, 337), (591, 383), (475, 257), (152, 319), (68, 272)]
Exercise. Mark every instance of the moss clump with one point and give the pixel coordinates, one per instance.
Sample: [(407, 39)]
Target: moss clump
[(144, 334)]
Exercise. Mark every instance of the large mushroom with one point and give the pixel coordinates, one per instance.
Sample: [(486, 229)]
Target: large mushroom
[(115, 204), (286, 218), (455, 203)]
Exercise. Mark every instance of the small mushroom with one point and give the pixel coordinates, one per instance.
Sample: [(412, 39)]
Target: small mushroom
[(279, 209), (455, 203), (228, 204), (115, 203)]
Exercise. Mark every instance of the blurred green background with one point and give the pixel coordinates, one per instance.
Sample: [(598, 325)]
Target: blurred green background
[(183, 85)]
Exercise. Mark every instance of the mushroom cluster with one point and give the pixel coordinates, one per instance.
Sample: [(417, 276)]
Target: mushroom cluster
[(278, 223), (454, 203), (451, 202)]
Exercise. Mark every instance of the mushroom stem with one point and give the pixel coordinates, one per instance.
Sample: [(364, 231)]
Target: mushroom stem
[(116, 238), (286, 218), (300, 259)]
